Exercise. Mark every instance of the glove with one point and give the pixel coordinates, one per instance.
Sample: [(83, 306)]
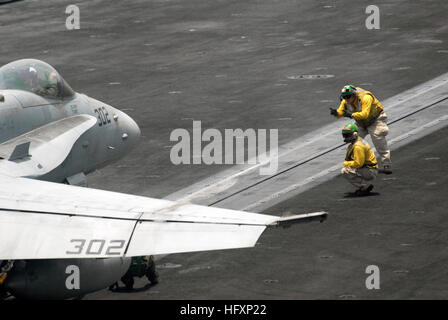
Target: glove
[(347, 114), (333, 112)]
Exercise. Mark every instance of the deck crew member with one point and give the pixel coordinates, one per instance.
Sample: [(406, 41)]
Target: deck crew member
[(360, 165), (370, 117)]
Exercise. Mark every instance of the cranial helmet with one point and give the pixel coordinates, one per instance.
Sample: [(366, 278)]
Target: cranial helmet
[(350, 132), (348, 91)]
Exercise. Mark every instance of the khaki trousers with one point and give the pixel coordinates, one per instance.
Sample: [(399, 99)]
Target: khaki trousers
[(378, 132), (359, 177)]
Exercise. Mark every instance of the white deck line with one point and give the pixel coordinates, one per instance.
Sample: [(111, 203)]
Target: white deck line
[(334, 170), (231, 180)]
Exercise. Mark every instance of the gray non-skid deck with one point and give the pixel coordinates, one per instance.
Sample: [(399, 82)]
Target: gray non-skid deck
[(238, 64), (401, 229), (318, 156)]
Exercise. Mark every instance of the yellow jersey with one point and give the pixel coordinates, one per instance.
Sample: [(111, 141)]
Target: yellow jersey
[(360, 155), (365, 109)]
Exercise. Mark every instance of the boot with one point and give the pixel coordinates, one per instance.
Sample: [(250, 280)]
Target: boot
[(386, 170), (363, 192)]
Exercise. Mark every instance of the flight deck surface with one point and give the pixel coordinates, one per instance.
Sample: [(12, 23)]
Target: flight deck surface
[(269, 65)]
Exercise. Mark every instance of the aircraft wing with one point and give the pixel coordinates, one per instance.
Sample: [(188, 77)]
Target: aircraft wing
[(45, 220), (28, 153)]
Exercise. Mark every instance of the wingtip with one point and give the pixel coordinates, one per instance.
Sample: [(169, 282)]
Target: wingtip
[(287, 221)]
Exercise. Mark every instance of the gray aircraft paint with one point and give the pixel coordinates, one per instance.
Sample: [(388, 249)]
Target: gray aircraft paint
[(112, 137), (30, 279), (91, 151)]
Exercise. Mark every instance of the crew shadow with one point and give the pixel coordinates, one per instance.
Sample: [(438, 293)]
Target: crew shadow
[(354, 195), (125, 290)]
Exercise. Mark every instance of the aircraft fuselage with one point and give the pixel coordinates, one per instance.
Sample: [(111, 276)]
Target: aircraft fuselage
[(113, 136), (38, 106)]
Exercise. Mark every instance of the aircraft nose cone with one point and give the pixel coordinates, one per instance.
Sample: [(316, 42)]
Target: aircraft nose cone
[(133, 128), (132, 131)]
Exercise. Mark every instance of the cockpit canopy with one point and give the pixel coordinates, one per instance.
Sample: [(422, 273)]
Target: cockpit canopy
[(34, 76)]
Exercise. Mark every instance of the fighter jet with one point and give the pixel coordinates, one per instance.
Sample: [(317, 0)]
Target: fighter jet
[(51, 224)]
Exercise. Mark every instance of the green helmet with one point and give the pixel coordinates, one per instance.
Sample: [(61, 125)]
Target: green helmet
[(348, 91), (348, 132), (349, 128)]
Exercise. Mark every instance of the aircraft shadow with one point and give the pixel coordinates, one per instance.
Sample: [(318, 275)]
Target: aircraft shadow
[(124, 290), (354, 195)]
